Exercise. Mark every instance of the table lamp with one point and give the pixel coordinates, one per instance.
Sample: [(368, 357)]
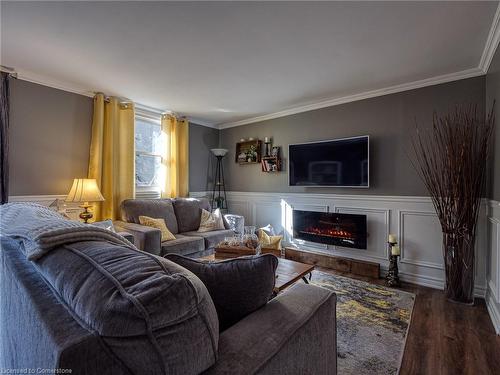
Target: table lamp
[(84, 190)]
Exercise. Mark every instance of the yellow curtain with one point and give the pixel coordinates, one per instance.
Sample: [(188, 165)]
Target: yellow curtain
[(112, 154), (176, 158)]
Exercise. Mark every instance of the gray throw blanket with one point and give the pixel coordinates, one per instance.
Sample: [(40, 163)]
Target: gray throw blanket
[(40, 229)]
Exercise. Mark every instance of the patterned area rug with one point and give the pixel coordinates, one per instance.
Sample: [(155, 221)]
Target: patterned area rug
[(372, 323)]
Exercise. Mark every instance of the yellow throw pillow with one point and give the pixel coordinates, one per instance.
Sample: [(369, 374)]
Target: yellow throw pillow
[(166, 235), (211, 221), (269, 242)]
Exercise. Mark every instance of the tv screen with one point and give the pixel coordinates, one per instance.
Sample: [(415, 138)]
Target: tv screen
[(339, 162)]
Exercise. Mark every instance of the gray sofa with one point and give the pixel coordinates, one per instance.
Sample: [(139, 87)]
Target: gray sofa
[(101, 308), (182, 217)]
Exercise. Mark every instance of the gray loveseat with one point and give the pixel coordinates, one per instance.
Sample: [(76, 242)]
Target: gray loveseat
[(100, 308), (182, 217)]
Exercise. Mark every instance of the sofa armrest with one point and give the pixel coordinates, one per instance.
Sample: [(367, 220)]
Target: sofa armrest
[(128, 236), (145, 238), (234, 222), (295, 333)]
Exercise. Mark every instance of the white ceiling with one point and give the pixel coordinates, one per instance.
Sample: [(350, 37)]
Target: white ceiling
[(222, 62)]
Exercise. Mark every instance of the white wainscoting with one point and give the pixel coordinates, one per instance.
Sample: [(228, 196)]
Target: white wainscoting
[(413, 219), (493, 270)]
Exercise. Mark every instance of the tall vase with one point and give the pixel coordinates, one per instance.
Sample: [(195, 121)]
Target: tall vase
[(459, 267)]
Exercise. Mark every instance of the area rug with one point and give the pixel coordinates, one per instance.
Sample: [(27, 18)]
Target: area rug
[(372, 324)]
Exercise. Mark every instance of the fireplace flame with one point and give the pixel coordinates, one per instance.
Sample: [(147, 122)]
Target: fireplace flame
[(329, 232)]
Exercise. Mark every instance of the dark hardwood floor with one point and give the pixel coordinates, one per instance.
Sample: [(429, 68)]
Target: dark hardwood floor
[(444, 337)]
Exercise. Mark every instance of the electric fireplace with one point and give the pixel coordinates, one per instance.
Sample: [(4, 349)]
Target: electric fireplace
[(337, 229)]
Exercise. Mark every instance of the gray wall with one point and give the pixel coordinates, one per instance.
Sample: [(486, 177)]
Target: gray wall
[(492, 93), (389, 120), (50, 133), (201, 160), (49, 139)]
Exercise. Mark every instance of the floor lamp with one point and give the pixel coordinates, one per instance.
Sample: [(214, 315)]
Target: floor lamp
[(219, 192)]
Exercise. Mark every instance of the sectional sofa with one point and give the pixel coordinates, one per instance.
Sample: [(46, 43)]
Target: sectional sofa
[(182, 217), (95, 307)]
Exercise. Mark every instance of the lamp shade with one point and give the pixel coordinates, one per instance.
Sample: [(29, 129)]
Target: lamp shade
[(219, 151), (84, 190)]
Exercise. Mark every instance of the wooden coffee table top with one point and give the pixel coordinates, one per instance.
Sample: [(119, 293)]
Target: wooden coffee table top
[(289, 272)]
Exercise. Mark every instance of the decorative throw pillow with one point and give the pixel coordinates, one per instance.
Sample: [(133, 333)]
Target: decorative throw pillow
[(268, 229), (237, 286), (211, 221), (106, 224), (166, 235), (269, 242)]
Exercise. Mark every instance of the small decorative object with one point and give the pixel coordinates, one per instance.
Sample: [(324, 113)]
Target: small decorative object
[(275, 151), (219, 202), (251, 138), (267, 142), (392, 278), (252, 154), (451, 158), (85, 190), (250, 239), (242, 140), (245, 244), (219, 191), (242, 157)]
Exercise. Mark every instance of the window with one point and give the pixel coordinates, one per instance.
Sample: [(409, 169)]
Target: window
[(150, 146)]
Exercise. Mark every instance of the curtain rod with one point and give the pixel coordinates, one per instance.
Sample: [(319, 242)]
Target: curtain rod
[(142, 108)]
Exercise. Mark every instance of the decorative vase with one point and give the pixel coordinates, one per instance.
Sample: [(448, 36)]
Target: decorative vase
[(250, 239), (459, 267)]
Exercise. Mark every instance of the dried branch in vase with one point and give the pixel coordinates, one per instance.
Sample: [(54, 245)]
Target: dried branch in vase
[(451, 158)]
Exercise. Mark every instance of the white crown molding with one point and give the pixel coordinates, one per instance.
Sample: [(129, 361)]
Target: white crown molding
[(201, 122), (51, 82), (491, 42), (469, 73)]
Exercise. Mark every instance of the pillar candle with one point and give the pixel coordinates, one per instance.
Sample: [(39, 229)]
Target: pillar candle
[(392, 238), (396, 250)]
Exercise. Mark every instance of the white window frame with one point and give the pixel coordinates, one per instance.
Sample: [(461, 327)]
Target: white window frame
[(152, 118)]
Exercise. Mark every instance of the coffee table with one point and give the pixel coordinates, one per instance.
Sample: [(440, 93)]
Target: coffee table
[(289, 272)]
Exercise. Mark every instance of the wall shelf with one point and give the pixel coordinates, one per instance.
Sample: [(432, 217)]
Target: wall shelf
[(248, 150), (271, 164)]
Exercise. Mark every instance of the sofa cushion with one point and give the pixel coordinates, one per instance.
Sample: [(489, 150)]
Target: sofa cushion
[(188, 212), (184, 245), (213, 238), (142, 305), (237, 286), (131, 209)]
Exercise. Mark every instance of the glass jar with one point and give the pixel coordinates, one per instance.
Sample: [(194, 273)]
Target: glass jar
[(250, 239)]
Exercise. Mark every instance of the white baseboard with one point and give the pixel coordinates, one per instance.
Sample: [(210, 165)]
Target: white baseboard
[(494, 311)]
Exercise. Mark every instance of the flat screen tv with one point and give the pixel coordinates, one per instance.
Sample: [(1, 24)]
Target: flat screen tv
[(340, 162)]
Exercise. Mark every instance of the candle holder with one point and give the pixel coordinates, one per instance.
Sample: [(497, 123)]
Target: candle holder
[(392, 278), (267, 148)]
